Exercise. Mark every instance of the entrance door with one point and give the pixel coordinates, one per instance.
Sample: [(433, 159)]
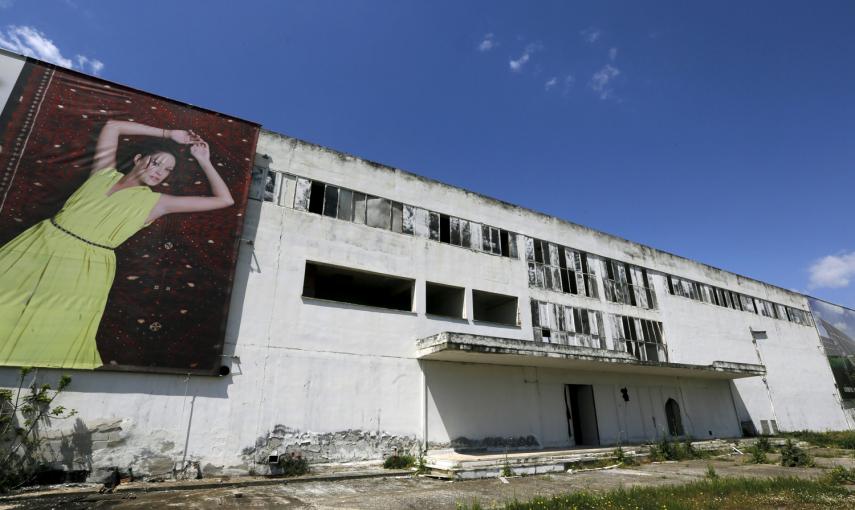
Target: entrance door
[(581, 414)]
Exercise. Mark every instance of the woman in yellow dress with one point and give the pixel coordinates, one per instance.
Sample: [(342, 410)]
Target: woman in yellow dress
[(56, 275)]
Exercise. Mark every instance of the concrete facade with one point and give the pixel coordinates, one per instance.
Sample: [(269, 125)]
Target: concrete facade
[(340, 381)]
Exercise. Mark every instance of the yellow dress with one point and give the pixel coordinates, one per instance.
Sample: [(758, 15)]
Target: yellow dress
[(54, 286)]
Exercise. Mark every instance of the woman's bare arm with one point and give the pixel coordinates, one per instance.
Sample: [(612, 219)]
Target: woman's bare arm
[(108, 139), (220, 197)]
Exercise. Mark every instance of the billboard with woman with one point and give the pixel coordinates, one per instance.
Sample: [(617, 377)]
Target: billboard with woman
[(120, 214)]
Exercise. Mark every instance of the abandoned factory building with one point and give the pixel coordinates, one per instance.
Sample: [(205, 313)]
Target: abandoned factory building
[(375, 310)]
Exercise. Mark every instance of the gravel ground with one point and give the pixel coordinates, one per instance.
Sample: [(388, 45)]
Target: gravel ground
[(408, 492)]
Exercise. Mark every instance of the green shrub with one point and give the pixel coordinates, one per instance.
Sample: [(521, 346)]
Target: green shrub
[(757, 455), (22, 411), (622, 457), (421, 463), (763, 444), (666, 449), (839, 475), (294, 464), (793, 456), (399, 462)]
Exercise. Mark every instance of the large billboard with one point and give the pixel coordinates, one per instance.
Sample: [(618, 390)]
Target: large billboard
[(120, 217), (836, 326)]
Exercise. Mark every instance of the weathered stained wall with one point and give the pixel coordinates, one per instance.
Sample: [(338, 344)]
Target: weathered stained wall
[(342, 382)]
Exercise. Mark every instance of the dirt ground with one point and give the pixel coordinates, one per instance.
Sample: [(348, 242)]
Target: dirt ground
[(409, 492)]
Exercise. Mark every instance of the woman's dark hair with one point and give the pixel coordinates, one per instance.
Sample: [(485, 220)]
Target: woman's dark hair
[(144, 147)]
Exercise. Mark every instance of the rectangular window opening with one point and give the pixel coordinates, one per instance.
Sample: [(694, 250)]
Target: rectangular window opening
[(444, 300), (347, 285), (491, 307), (316, 198)]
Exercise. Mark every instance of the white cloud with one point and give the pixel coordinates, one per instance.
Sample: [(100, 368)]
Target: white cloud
[(550, 83), (601, 79), (517, 64), (569, 80), (94, 66), (612, 54), (487, 43), (30, 42), (833, 271), (591, 34), (842, 326)]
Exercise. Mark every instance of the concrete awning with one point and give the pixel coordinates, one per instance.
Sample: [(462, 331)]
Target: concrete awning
[(467, 348)]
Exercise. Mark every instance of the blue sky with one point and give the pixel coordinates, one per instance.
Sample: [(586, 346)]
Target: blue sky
[(722, 131)]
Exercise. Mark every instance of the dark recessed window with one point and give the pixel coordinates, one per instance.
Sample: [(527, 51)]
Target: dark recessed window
[(491, 307), (444, 300), (346, 285)]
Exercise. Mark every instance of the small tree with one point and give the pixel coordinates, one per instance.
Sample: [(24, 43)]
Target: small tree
[(21, 412)]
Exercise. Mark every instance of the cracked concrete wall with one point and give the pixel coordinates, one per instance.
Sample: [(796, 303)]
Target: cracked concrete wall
[(320, 369)]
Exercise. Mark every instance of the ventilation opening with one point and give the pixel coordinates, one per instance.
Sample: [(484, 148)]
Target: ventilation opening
[(444, 300), (357, 287), (498, 308)]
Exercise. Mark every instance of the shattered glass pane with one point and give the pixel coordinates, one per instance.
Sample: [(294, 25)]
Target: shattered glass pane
[(397, 217), (434, 225), (301, 194), (359, 207), (345, 205), (379, 213), (409, 219)]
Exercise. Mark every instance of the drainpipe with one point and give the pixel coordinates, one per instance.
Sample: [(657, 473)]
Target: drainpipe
[(762, 335), (424, 409)]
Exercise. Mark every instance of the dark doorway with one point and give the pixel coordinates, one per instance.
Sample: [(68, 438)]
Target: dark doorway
[(581, 414), (675, 422)]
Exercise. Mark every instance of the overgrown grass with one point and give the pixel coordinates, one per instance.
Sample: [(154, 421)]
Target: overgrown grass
[(399, 462), (671, 450), (623, 458), (711, 493), (835, 439)]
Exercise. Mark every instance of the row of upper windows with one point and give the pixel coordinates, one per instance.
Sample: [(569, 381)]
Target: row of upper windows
[(729, 299), (565, 325), (550, 266), (357, 207), (563, 269)]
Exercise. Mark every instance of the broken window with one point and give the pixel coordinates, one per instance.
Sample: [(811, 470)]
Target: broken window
[(345, 205), (640, 337), (379, 213), (397, 217), (444, 300), (444, 228), (347, 285), (454, 228), (492, 307), (421, 224), (562, 269), (360, 208), (331, 201), (434, 226), (465, 234), (301, 195), (565, 325), (408, 221), (316, 198), (630, 285), (798, 316)]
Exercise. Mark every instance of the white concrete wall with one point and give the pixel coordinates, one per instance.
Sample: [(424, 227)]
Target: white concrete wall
[(342, 382)]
